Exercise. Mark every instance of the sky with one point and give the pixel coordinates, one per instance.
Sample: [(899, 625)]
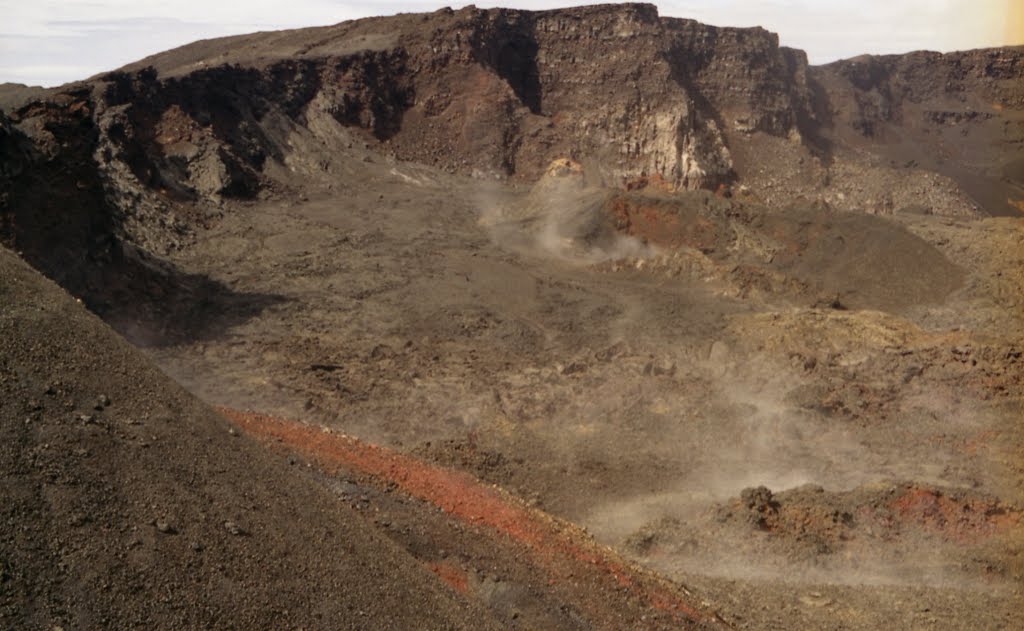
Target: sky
[(50, 42)]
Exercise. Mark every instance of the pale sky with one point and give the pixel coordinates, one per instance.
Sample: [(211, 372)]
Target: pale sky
[(49, 42)]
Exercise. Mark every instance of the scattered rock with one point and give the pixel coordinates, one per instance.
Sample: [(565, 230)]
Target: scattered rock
[(815, 599), (78, 519), (573, 368), (235, 530), (165, 527), (761, 506), (102, 402)]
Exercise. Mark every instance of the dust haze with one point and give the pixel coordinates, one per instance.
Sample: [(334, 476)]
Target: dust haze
[(731, 418), (755, 325), (562, 217)]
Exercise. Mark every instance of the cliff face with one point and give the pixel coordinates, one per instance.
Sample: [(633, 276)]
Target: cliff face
[(53, 203), (748, 80), (888, 89), (145, 152), (492, 92), (959, 115)]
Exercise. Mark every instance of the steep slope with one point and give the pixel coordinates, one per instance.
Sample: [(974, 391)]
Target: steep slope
[(128, 502)]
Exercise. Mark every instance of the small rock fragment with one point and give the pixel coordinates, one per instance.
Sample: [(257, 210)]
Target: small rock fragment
[(815, 599), (165, 527), (235, 529), (78, 519)]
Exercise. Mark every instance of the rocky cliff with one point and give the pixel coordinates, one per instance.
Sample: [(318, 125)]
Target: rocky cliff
[(144, 153), (959, 115)]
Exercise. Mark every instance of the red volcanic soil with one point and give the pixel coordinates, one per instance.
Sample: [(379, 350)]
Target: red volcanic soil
[(452, 575), (659, 222), (963, 520), (563, 550), (904, 513)]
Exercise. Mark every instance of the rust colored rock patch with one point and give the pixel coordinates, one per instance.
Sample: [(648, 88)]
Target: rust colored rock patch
[(663, 224), (561, 548), (898, 513), (452, 576), (958, 519)]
